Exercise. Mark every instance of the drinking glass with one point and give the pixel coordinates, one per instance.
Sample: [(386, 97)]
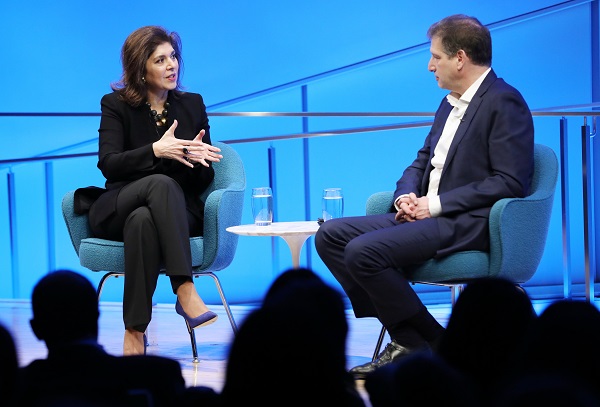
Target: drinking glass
[(333, 203), (262, 206)]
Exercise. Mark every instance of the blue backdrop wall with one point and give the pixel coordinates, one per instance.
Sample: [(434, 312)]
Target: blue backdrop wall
[(314, 56)]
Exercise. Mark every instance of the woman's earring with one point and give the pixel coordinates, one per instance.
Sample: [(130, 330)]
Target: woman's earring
[(143, 79)]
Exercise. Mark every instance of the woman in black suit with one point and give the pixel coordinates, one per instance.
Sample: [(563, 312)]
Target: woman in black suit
[(155, 153)]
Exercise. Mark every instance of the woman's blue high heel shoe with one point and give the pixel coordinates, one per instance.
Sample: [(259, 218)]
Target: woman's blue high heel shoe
[(203, 319)]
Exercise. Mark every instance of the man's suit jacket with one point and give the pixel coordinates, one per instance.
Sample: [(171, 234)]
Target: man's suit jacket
[(490, 157)]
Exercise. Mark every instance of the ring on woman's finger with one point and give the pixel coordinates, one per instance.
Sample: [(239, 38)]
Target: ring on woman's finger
[(185, 150), (186, 159)]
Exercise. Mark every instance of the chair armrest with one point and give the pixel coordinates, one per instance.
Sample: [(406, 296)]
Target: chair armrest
[(77, 225), (380, 202), (223, 208), (518, 232)]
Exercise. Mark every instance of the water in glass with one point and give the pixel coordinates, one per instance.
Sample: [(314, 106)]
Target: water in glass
[(262, 206), (333, 203)]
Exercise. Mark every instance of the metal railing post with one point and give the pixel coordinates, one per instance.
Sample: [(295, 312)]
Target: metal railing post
[(12, 222), (564, 197), (589, 239)]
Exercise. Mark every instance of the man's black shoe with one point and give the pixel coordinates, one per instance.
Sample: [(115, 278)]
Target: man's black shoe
[(393, 351)]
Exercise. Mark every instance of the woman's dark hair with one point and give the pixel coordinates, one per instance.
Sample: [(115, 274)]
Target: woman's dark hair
[(467, 33), (135, 52)]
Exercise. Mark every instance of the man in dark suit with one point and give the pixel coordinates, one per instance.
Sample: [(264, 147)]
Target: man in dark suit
[(77, 370), (479, 150)]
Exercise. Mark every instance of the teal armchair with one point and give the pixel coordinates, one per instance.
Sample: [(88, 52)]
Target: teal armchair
[(212, 252), (518, 231)]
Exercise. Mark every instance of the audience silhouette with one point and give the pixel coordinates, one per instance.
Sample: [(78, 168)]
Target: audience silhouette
[(292, 349), (77, 370), (9, 368), (487, 326), (560, 357), (199, 396), (420, 379), (544, 389)]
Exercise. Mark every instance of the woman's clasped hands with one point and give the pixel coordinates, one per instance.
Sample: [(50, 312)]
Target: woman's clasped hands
[(187, 152)]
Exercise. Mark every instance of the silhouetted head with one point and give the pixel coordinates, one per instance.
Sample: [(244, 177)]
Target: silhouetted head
[(564, 342), (291, 279), (65, 308), (303, 293), (488, 324), (297, 336)]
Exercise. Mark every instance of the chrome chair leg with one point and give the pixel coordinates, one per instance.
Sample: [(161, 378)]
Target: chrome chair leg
[(379, 343), (223, 299)]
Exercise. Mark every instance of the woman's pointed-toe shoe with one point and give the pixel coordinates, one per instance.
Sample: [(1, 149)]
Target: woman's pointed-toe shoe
[(203, 319)]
